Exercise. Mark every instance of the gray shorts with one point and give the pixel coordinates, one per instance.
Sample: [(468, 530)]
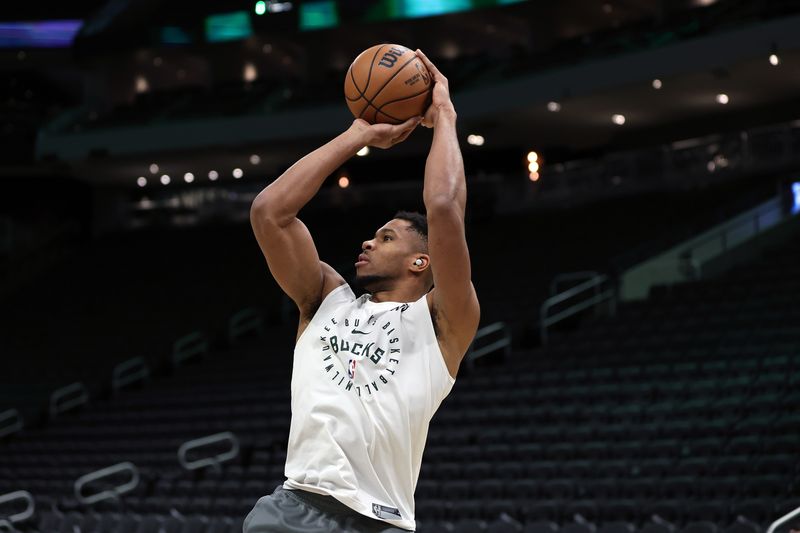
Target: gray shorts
[(300, 511)]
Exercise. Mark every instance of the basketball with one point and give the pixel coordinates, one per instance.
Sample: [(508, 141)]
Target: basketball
[(387, 83)]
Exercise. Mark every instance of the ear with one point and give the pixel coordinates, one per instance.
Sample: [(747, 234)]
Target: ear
[(420, 262)]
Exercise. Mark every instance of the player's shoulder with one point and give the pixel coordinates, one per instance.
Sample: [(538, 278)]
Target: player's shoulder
[(331, 280)]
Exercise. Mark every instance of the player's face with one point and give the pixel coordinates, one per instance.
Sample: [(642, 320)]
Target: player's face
[(384, 255)]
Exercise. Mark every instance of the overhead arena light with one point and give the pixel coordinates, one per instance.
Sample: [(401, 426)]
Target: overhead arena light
[(722, 98), (618, 119), (475, 140)]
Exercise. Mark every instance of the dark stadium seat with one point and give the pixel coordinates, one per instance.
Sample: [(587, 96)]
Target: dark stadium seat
[(669, 510), (707, 511), (656, 527), (617, 527), (755, 510), (700, 527), (742, 525), (470, 526), (540, 526), (436, 527), (504, 524)]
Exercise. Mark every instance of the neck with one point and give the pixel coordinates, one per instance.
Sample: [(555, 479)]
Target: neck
[(405, 294)]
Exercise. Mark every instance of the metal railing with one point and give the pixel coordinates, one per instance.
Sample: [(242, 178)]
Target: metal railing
[(192, 345), (728, 235), (503, 343), (782, 520), (213, 461), (128, 372), (243, 322), (10, 422), (67, 398), (596, 289), (24, 515), (110, 493)]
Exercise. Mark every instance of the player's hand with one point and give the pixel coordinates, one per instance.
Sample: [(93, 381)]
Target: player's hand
[(383, 135), (441, 94)]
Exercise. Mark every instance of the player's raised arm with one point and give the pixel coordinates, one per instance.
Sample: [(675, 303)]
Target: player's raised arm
[(445, 197), (285, 241)]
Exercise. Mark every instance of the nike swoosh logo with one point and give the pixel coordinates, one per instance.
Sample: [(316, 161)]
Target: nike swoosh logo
[(355, 331)]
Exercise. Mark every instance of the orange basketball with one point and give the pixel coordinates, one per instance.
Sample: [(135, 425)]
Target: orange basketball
[(387, 83)]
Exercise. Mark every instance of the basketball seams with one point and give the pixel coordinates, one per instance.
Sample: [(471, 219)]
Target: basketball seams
[(369, 77), (398, 100), (361, 94), (369, 101)]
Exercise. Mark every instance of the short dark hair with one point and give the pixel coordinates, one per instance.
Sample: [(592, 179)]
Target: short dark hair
[(418, 222)]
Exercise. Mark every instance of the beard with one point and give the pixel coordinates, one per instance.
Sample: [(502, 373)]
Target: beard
[(371, 283)]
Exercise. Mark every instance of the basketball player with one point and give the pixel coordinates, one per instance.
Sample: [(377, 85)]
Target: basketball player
[(369, 372)]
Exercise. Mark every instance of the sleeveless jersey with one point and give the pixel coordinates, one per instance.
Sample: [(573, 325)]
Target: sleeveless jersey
[(366, 379)]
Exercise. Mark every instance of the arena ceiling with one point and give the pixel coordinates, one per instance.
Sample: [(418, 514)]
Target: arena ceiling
[(685, 105)]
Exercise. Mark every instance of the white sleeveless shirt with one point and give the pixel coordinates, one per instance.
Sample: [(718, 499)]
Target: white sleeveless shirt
[(367, 377)]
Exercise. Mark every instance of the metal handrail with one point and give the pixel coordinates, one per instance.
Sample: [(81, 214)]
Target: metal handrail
[(571, 276), (127, 372), (19, 495), (189, 346), (114, 492), (782, 520), (594, 283), (503, 342), (81, 399), (15, 426), (244, 321), (751, 219), (214, 461)]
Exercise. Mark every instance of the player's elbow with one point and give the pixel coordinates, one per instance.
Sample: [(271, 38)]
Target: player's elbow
[(264, 210), (442, 206)]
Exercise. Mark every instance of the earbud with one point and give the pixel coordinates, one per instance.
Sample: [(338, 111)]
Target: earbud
[(418, 262)]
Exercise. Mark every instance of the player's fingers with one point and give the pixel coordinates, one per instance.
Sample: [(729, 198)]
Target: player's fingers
[(429, 65), (405, 135), (408, 125)]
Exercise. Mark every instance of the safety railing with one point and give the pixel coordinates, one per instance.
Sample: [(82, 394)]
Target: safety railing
[(10, 422), (243, 322), (128, 372), (113, 492), (783, 520), (68, 398), (501, 343), (192, 345), (596, 289), (692, 259), (22, 495), (728, 235), (214, 461)]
